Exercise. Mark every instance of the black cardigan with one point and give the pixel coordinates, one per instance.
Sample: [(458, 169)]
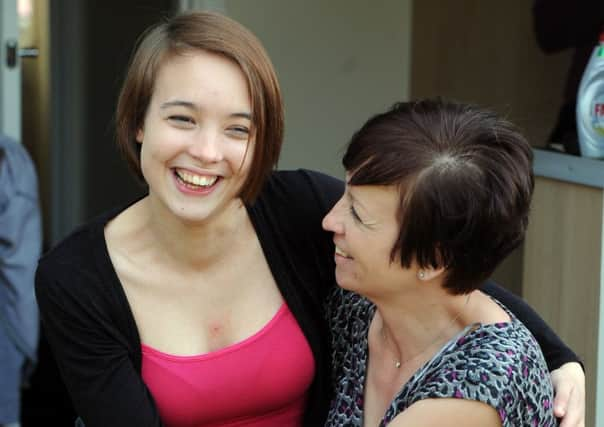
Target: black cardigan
[(93, 335)]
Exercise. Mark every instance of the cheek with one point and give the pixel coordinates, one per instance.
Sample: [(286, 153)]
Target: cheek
[(240, 159), (154, 156), (380, 258), (145, 167), (162, 142), (149, 152)]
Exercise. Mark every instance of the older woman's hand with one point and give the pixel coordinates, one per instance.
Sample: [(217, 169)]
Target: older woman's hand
[(569, 389)]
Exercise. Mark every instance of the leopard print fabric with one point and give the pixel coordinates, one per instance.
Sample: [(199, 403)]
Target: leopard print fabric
[(499, 364)]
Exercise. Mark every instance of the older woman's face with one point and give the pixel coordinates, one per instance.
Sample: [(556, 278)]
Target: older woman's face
[(365, 230)]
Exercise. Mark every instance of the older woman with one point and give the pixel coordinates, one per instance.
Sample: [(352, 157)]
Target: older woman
[(437, 195)]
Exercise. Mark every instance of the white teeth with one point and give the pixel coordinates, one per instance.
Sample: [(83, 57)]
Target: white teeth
[(341, 252), (199, 180)]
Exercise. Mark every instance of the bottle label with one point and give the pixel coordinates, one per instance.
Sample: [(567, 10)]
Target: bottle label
[(597, 116)]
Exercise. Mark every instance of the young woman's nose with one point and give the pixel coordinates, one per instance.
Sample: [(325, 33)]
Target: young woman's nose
[(206, 146)]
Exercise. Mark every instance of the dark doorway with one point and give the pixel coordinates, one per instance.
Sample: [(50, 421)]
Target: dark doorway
[(91, 43)]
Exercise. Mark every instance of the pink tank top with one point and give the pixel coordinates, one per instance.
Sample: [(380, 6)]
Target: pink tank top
[(262, 381)]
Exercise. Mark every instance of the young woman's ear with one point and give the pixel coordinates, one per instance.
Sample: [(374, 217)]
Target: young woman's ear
[(140, 134)]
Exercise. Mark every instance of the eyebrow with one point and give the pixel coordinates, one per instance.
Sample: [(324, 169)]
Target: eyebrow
[(357, 202), (354, 199), (193, 106)]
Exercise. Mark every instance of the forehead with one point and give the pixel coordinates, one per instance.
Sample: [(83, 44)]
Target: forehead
[(202, 77), (380, 201)]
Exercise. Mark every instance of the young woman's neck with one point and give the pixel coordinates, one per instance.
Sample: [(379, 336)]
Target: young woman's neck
[(197, 246)]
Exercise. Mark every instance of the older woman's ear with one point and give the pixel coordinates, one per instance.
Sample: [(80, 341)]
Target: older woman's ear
[(430, 273)]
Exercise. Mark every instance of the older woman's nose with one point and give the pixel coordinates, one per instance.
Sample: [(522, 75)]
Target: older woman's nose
[(332, 221)]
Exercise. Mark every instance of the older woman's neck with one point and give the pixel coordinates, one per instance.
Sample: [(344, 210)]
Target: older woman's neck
[(415, 323)]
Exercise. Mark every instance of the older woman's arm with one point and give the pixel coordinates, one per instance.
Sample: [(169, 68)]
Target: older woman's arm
[(445, 412)]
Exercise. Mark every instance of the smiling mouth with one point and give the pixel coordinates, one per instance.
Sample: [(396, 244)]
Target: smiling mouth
[(194, 181), (342, 253)]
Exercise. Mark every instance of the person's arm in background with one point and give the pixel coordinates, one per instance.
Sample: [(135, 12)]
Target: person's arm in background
[(20, 247), (566, 368)]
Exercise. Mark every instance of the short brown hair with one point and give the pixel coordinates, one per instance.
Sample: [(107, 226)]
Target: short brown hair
[(217, 34), (465, 180)]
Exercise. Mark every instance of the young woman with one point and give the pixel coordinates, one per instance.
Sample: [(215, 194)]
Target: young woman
[(437, 195), (203, 302)]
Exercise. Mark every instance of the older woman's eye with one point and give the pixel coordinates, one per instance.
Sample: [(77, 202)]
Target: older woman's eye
[(355, 215)]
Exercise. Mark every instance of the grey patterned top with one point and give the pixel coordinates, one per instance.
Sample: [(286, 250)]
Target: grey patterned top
[(499, 364)]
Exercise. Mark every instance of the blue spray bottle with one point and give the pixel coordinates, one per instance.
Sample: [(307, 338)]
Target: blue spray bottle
[(590, 105)]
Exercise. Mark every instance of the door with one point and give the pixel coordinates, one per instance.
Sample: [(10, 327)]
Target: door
[(10, 71)]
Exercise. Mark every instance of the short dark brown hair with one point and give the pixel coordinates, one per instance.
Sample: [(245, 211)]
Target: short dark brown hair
[(465, 181), (215, 33)]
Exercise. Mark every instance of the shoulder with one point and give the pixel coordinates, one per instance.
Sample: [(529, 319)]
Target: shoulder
[(305, 178), (15, 154), (492, 357), (293, 203), (303, 186), (17, 173), (77, 264), (348, 315), (76, 247), (497, 364), (346, 306)]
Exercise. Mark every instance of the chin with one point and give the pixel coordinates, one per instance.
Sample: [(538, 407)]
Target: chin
[(345, 282), (191, 215)]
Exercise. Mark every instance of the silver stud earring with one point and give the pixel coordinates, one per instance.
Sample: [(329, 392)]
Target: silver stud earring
[(421, 275)]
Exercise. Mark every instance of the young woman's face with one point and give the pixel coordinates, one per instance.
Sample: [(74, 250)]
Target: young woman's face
[(365, 230), (197, 140)]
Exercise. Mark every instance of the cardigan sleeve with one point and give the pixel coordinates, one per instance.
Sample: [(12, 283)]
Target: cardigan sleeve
[(92, 355), (555, 351)]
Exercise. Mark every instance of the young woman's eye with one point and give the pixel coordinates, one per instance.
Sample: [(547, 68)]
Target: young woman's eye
[(239, 131), (181, 119)]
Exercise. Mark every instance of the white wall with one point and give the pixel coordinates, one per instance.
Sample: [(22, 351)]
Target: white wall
[(338, 61)]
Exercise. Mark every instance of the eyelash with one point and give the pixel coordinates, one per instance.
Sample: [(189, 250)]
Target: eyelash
[(355, 215), (184, 119), (240, 129)]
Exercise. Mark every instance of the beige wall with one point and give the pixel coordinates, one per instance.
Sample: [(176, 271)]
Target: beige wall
[(563, 271), (338, 61), (341, 61), (486, 53)]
